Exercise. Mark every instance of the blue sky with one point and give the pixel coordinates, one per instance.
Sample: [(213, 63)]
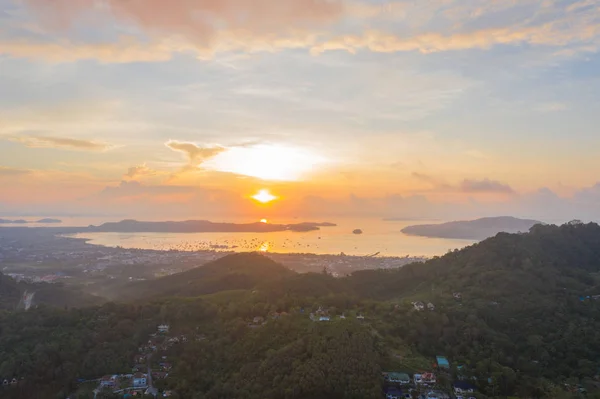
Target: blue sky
[(372, 99)]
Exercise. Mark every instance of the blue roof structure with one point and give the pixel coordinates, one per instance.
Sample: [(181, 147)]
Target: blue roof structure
[(442, 362)]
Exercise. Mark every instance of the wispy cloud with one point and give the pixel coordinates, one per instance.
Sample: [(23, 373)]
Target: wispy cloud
[(199, 21), (5, 171), (216, 26), (125, 50), (485, 186), (140, 171), (196, 155), (59, 142), (551, 107)]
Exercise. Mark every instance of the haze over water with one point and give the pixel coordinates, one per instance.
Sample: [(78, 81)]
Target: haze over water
[(378, 236)]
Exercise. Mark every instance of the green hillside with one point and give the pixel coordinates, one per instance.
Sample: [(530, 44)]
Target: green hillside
[(517, 313), (233, 272)]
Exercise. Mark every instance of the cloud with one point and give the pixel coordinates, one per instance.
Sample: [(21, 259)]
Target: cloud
[(5, 171), (207, 27), (485, 186), (551, 107), (550, 34), (140, 171), (198, 21), (59, 142), (125, 50), (195, 154)]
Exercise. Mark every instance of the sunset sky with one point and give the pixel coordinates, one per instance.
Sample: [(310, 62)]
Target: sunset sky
[(188, 108)]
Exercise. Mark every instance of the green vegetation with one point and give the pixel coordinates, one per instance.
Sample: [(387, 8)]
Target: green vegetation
[(513, 312)]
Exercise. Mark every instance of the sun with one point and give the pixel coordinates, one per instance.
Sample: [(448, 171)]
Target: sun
[(264, 196), (264, 221)]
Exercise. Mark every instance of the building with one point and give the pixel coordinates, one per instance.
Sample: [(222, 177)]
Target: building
[(139, 380), (108, 381), (163, 328), (462, 387), (324, 318), (442, 362), (425, 378), (395, 377), (437, 395), (419, 306), (431, 306), (393, 393)]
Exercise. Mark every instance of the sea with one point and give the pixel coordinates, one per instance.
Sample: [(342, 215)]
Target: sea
[(380, 237)]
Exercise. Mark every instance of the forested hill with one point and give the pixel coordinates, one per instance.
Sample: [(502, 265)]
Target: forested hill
[(57, 295), (547, 260), (516, 312), (233, 272), (10, 293)]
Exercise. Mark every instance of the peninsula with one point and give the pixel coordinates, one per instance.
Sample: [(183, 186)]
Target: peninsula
[(202, 226), (479, 229)]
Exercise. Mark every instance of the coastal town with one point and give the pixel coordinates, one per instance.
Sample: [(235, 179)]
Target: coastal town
[(41, 256)]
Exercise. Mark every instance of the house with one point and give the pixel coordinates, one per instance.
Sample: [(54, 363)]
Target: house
[(159, 375), (139, 359), (457, 296), (462, 387), (14, 381), (430, 306), (425, 378), (163, 328), (393, 393), (400, 378), (108, 381), (258, 320), (324, 318), (139, 380), (437, 395), (442, 362), (165, 366), (5, 382), (342, 316), (138, 367), (151, 391), (360, 317), (419, 306)]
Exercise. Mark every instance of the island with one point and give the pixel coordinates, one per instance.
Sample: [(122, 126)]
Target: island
[(49, 221), (202, 226), (479, 229), (22, 221), (357, 231)]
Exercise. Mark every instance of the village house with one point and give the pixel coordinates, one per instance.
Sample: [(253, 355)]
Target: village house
[(431, 306), (395, 377), (258, 320), (425, 378), (108, 381), (419, 306), (393, 393), (159, 375), (139, 380), (165, 366), (139, 359), (442, 362), (163, 328), (462, 388)]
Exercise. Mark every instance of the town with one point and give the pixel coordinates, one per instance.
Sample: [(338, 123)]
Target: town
[(39, 255)]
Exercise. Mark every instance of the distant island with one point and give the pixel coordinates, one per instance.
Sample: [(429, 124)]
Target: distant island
[(203, 226), (479, 229), (22, 221)]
